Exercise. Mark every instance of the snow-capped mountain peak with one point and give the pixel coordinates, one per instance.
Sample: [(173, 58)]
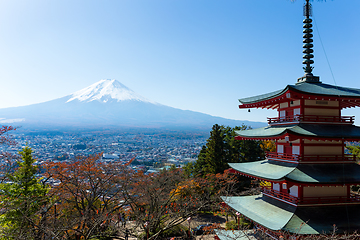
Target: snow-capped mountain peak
[(106, 90)]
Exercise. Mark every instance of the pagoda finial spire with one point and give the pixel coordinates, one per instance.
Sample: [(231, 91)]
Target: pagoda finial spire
[(308, 45)]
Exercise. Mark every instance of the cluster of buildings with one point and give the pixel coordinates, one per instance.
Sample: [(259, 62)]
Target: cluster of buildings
[(150, 150)]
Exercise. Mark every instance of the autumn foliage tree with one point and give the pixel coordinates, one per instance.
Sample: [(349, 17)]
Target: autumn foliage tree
[(8, 160), (161, 201), (157, 203), (354, 149), (268, 146), (89, 197)]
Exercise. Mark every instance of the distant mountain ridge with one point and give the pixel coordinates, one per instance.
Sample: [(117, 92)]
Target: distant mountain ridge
[(108, 104)]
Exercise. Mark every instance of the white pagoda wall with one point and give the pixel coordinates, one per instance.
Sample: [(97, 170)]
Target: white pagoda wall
[(321, 108), (324, 148), (327, 191)]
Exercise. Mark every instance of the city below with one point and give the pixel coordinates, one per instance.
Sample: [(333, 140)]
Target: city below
[(152, 150)]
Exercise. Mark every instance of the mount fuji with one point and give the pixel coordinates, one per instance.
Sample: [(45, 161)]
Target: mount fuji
[(107, 104)]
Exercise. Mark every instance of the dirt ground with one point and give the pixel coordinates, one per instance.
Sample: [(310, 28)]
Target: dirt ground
[(207, 219)]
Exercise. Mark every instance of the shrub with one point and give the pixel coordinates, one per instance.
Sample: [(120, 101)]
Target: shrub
[(233, 225)]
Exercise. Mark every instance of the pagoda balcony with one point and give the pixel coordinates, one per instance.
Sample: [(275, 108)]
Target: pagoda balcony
[(295, 158), (285, 197), (292, 200), (312, 119), (283, 157)]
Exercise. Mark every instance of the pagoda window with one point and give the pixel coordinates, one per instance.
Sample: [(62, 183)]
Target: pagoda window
[(294, 191), (280, 148), (296, 149), (282, 114), (296, 111), (276, 186)]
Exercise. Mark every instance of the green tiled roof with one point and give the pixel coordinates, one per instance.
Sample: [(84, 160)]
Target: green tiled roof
[(326, 173), (309, 88), (326, 89), (311, 130), (276, 215), (272, 214), (321, 219), (262, 97), (305, 173), (264, 169)]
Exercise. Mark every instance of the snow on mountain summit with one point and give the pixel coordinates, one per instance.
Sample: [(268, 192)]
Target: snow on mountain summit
[(105, 90)]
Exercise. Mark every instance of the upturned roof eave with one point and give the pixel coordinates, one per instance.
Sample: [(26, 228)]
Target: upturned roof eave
[(302, 173), (305, 131), (276, 215), (270, 214), (349, 97), (262, 170), (294, 136), (269, 99)]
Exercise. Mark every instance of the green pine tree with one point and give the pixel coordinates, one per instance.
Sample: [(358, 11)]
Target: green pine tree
[(217, 151), (22, 199), (222, 148)]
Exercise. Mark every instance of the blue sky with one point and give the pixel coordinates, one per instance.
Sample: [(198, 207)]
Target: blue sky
[(200, 55)]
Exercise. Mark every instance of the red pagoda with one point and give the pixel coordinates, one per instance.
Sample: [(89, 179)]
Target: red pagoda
[(308, 179)]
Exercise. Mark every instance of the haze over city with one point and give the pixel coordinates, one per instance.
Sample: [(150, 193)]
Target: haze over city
[(193, 55)]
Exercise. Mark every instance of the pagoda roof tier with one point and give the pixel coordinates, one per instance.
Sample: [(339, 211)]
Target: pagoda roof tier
[(303, 130), (303, 173), (265, 169), (273, 215), (276, 215), (348, 97)]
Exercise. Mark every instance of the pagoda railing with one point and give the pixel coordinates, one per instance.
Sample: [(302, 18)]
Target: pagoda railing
[(295, 158), (308, 200), (312, 118), (279, 195), (283, 157)]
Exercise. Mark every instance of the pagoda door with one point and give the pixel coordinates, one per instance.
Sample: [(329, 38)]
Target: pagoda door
[(289, 114), (288, 150)]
